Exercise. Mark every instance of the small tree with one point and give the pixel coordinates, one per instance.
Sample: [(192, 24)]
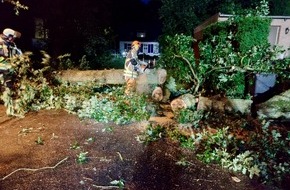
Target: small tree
[(230, 50)]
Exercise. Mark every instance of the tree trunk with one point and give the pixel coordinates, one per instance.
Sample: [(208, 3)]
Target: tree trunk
[(112, 76), (223, 104), (183, 102), (148, 82), (214, 103), (157, 94)]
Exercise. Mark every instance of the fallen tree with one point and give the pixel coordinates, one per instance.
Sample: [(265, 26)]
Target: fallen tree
[(100, 76), (150, 82)]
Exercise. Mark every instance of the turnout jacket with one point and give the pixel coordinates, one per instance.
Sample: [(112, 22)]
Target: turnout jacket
[(132, 64)]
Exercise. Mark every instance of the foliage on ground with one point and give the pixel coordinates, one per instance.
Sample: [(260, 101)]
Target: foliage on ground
[(233, 143), (35, 89)]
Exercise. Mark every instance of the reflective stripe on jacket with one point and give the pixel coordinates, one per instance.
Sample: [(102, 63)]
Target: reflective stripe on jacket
[(130, 72)]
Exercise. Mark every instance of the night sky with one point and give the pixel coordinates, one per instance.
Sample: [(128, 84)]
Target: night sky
[(145, 1)]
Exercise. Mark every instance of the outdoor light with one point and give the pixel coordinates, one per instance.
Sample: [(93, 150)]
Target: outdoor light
[(287, 30), (124, 53)]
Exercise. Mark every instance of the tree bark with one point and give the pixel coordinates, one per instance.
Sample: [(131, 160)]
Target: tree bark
[(184, 101), (224, 104), (112, 76), (214, 103)]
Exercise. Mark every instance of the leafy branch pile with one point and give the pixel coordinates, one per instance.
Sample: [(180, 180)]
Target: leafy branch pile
[(25, 86), (113, 106), (36, 89)]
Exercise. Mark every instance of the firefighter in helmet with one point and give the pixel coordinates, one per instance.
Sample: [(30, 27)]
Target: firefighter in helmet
[(7, 41), (133, 67)]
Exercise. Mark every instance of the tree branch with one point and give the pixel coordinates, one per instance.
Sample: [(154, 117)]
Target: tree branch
[(196, 81), (17, 5), (106, 187), (30, 169)]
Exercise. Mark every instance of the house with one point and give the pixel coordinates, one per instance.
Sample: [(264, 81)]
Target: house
[(279, 32), (149, 45), (150, 48), (146, 32)]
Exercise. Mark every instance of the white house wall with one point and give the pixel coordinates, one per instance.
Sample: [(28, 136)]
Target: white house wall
[(147, 48), (283, 38)]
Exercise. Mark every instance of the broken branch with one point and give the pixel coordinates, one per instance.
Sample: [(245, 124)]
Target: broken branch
[(33, 170)]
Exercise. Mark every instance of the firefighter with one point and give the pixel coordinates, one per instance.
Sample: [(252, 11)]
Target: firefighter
[(133, 67), (7, 41)]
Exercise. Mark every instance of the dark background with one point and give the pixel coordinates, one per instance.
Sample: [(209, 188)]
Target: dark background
[(78, 19), (94, 27)]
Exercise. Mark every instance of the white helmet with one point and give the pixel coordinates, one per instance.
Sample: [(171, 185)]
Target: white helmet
[(9, 32)]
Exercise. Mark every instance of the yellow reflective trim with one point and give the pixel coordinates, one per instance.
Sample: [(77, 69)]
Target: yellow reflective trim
[(131, 74)]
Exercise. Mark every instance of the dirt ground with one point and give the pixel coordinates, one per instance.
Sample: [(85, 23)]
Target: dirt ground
[(40, 151)]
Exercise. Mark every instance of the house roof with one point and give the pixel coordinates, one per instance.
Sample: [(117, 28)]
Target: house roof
[(198, 30), (269, 16), (213, 19)]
